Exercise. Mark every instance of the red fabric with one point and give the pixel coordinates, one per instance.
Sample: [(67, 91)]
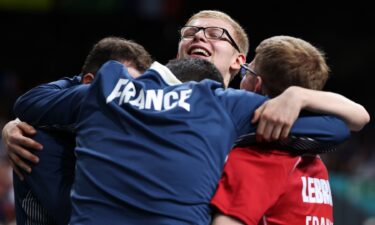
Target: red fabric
[(266, 187)]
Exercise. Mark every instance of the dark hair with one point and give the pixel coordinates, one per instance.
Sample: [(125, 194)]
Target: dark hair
[(194, 69), (115, 48)]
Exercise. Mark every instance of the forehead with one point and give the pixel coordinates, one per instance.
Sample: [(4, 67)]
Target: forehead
[(211, 22)]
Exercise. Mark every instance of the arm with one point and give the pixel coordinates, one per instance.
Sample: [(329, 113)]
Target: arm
[(275, 124), (16, 138), (48, 104), (325, 128), (59, 102), (354, 114)]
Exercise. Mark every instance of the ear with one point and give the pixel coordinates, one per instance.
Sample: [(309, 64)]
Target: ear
[(87, 78), (236, 65), (259, 85)]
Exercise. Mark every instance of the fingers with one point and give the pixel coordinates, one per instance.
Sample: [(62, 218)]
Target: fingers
[(285, 132), (23, 153), (257, 114), (25, 142), (16, 170), (26, 128), (271, 130), (276, 132), (17, 162), (17, 145)]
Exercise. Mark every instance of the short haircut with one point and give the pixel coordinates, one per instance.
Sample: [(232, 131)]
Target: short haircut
[(284, 61), (116, 48), (240, 35), (194, 69)]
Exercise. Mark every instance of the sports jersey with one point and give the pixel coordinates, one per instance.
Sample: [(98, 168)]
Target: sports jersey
[(150, 150), (267, 186)]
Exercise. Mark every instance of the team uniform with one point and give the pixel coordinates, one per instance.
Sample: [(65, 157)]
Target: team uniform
[(272, 187), (43, 198), (150, 150)]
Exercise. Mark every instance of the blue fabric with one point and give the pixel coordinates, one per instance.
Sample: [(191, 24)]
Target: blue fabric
[(49, 183)]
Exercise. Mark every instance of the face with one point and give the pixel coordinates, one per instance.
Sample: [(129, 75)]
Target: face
[(131, 69), (220, 52), (249, 81)]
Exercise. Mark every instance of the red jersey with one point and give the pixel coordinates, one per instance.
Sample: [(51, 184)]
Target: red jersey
[(271, 187)]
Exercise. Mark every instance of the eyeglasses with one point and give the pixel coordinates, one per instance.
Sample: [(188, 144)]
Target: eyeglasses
[(245, 69), (214, 33)]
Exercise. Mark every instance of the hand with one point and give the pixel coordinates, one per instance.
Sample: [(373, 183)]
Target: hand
[(276, 117), (16, 139)]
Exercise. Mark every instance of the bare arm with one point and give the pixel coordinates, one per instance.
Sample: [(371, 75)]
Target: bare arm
[(16, 138), (354, 114), (275, 124)]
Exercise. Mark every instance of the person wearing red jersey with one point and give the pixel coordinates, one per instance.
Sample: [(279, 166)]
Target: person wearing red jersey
[(263, 184)]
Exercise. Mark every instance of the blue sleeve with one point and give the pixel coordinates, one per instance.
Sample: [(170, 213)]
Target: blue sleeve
[(55, 102), (325, 128)]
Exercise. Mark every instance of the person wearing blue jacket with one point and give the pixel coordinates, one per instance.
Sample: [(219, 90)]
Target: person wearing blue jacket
[(44, 196)]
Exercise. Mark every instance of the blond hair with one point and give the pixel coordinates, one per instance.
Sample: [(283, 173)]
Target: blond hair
[(284, 61), (239, 33)]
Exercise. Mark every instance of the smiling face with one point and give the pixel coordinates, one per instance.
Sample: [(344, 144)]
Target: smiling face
[(219, 52)]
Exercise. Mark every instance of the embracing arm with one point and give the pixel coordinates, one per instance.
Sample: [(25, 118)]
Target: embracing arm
[(277, 115), (53, 103), (354, 114), (16, 136)]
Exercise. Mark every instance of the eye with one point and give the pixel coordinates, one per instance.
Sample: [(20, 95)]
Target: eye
[(214, 32)]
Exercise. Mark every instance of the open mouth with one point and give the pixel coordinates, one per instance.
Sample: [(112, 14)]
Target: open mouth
[(197, 51)]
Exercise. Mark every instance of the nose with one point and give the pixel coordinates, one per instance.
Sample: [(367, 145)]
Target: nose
[(199, 35)]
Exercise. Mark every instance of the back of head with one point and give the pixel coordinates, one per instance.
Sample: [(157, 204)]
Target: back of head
[(194, 69), (284, 61), (115, 48), (239, 33)]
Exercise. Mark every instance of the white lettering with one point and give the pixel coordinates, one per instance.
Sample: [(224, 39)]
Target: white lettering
[(185, 94), (116, 91), (327, 197), (318, 191), (140, 100), (304, 190), (154, 98), (167, 100), (308, 219), (127, 92), (311, 189), (314, 220), (315, 190)]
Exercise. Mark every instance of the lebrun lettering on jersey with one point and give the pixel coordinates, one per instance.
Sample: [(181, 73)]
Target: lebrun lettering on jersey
[(157, 99), (314, 220), (315, 190)]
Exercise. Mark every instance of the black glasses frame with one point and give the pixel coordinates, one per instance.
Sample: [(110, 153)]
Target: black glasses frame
[(225, 31), (245, 69)]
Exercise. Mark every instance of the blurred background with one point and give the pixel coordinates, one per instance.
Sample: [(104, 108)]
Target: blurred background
[(43, 40)]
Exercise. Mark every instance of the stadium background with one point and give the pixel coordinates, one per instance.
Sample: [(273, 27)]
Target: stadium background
[(43, 40)]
